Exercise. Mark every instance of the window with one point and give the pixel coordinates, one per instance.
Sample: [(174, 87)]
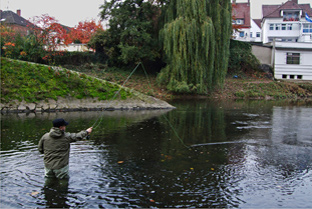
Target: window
[(271, 26), (307, 28), (241, 34), (258, 34), (283, 26), (277, 26), (239, 22), (250, 34), (293, 58), (289, 26)]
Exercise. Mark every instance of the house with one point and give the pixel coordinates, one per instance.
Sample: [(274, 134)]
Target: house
[(16, 22), (286, 29), (293, 60), (241, 21), (286, 22)]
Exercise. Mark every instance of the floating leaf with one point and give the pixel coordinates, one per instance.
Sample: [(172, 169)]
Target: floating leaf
[(34, 193), (119, 162)]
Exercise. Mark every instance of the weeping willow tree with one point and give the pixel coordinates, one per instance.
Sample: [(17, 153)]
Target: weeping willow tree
[(196, 38)]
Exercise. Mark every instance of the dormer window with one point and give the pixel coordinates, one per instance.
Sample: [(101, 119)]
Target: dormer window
[(291, 15), (239, 21)]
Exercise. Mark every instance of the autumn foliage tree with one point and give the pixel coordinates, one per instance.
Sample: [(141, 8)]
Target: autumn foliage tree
[(49, 32), (83, 32)]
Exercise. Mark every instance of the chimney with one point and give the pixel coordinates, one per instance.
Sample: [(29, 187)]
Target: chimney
[(18, 12)]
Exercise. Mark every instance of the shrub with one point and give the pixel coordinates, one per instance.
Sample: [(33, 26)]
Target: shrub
[(241, 58)]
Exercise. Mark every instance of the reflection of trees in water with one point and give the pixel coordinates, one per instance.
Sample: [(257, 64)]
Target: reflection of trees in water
[(197, 123)]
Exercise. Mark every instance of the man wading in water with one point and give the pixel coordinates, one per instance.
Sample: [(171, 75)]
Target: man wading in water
[(55, 146)]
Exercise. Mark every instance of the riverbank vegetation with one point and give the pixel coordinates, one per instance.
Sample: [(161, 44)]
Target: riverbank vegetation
[(247, 84), (34, 82)]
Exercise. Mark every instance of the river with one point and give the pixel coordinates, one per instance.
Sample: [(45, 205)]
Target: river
[(204, 153)]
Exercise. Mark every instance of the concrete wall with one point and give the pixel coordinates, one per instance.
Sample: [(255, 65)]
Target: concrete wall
[(264, 54)]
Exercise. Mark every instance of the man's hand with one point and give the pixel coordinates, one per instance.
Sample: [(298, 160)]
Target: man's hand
[(89, 130)]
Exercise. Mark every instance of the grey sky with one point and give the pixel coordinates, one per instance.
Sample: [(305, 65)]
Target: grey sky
[(71, 12), (67, 12)]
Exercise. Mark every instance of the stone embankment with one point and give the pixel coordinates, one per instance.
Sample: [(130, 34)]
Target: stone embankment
[(92, 104)]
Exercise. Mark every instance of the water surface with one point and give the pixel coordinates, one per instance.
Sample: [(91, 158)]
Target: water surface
[(202, 154)]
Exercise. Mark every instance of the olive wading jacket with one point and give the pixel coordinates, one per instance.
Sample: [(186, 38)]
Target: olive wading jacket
[(55, 146)]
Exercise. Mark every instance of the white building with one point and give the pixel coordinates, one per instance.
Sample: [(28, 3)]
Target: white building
[(293, 60), (286, 22), (255, 30), (287, 30), (241, 21), (246, 29)]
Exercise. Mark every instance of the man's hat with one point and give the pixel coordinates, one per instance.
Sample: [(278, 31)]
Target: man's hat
[(59, 122)]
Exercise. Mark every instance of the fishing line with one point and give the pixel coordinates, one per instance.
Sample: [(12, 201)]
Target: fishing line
[(177, 135), (99, 120)]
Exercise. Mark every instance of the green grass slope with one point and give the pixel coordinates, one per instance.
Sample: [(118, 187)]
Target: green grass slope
[(34, 82)]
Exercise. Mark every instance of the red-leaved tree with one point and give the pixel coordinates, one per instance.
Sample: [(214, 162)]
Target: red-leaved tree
[(49, 32), (84, 30)]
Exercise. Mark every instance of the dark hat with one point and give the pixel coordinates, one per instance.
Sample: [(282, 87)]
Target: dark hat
[(59, 122)]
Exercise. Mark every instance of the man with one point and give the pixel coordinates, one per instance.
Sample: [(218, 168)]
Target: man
[(55, 146)]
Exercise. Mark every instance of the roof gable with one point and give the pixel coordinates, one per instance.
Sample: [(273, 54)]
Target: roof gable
[(242, 11), (274, 11)]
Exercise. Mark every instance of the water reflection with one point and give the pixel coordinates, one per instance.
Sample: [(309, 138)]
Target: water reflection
[(55, 193), (202, 154)]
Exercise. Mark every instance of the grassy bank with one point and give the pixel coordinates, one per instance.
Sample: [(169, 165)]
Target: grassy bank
[(34, 82), (261, 88)]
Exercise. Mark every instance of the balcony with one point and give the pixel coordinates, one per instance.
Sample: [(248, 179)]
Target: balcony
[(289, 19)]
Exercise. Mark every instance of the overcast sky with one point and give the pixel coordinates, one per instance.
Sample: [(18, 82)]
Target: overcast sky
[(71, 12), (67, 12)]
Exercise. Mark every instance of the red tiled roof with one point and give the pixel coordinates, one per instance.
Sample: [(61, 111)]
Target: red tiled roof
[(242, 11), (275, 10)]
